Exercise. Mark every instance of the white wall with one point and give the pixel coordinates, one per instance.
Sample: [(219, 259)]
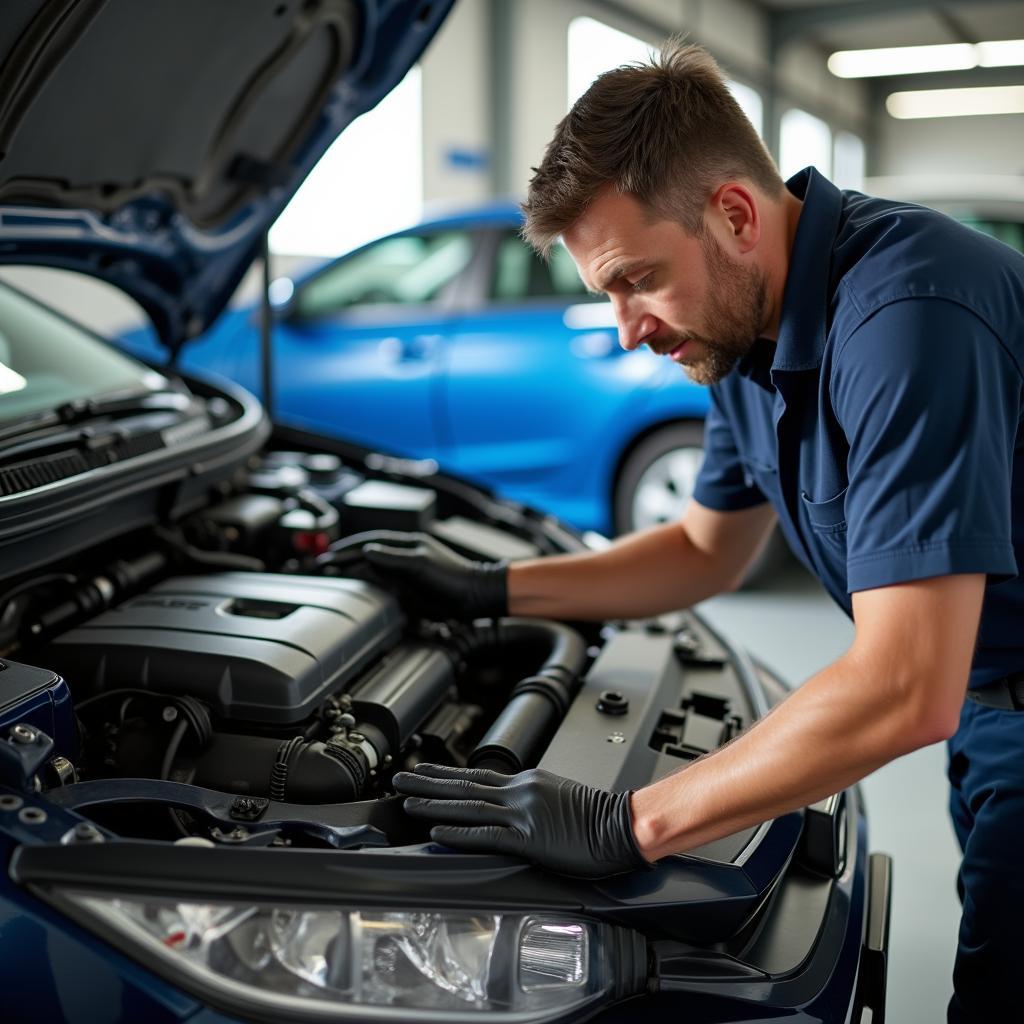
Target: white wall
[(949, 145), (736, 31), (456, 106), (803, 75)]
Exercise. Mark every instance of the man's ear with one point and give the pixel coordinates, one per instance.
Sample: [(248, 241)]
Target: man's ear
[(734, 206)]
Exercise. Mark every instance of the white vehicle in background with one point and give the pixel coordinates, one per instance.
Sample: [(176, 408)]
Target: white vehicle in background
[(992, 203)]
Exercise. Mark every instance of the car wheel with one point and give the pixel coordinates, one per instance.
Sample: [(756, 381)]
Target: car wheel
[(658, 477)]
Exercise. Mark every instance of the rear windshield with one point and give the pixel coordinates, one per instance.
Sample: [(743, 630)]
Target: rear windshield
[(46, 361)]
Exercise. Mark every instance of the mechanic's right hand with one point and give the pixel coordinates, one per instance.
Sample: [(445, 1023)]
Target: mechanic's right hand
[(441, 583)]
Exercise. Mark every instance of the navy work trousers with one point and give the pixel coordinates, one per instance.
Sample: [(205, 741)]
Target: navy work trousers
[(986, 777)]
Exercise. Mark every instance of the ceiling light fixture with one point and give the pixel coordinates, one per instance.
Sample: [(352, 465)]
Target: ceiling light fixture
[(902, 60), (915, 60), (1001, 53), (1005, 99)]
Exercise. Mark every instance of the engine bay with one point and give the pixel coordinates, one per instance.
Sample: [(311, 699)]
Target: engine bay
[(195, 653), (243, 677)]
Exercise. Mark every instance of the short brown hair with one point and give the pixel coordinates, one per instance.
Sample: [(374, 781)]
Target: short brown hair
[(668, 133)]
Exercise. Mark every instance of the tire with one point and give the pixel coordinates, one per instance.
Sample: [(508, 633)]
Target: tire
[(658, 477), (656, 481)]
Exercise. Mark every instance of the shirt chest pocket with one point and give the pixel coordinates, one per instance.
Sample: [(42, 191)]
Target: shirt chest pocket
[(827, 520)]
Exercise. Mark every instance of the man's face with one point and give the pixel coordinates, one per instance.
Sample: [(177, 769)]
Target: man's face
[(682, 296)]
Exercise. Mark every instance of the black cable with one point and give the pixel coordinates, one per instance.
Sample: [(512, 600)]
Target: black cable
[(126, 691), (279, 773), (36, 581), (357, 540), (172, 747), (195, 716), (210, 559), (80, 705), (31, 584), (348, 552)]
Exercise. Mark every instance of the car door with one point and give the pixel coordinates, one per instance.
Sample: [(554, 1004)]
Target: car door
[(358, 352), (534, 377)]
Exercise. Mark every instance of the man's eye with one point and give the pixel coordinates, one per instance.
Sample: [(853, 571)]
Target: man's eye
[(643, 284)]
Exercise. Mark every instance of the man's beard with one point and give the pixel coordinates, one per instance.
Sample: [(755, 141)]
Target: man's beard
[(735, 314)]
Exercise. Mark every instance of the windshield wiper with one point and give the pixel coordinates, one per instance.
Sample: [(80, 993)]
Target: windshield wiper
[(124, 403), (84, 410)]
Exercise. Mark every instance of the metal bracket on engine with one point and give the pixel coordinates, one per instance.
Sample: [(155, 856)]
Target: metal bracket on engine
[(248, 808), (23, 751)]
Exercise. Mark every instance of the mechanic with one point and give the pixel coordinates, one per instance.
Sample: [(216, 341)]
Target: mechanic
[(865, 363)]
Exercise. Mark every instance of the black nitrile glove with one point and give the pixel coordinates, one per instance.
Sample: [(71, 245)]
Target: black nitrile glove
[(554, 822), (440, 582)]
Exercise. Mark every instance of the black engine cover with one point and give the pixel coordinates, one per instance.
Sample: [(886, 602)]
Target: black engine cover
[(255, 647)]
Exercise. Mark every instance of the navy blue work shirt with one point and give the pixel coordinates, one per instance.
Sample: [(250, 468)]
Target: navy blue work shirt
[(884, 425)]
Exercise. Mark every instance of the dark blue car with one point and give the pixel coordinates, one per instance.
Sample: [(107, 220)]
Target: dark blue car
[(453, 341), (205, 692)]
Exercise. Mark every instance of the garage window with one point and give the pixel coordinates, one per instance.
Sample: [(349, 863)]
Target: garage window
[(750, 103), (347, 200), (804, 139), (595, 48), (848, 170)]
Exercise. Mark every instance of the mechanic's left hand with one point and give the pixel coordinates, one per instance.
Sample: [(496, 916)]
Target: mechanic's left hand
[(554, 822)]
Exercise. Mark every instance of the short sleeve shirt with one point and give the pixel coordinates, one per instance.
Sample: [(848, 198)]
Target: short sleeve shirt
[(885, 423)]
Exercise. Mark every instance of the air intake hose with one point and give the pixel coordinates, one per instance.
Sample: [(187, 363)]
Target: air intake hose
[(522, 731), (296, 771)]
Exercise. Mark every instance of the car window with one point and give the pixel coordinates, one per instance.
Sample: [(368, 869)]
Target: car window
[(404, 270), (520, 274), (71, 365), (1008, 231)]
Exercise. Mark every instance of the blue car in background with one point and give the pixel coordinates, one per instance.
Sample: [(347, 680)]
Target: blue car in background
[(454, 341)]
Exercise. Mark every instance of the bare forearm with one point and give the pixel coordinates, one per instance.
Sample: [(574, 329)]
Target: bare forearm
[(900, 686), (642, 574), (837, 728)]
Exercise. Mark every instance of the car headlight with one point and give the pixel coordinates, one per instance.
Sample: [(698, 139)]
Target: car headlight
[(334, 962)]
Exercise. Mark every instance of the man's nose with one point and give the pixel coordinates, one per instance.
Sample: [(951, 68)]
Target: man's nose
[(635, 326)]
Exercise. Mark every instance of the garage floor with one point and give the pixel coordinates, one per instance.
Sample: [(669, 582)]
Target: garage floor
[(794, 627)]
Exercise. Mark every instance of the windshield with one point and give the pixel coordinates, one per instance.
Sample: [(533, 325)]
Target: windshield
[(47, 361), (402, 270)]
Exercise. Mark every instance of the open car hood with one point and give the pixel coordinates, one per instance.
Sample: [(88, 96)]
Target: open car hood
[(153, 144)]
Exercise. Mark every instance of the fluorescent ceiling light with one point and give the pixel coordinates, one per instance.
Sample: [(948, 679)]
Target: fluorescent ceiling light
[(1004, 99), (1001, 53), (902, 60), (915, 60)]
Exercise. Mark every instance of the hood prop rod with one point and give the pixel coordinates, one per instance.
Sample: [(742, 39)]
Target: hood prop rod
[(266, 322)]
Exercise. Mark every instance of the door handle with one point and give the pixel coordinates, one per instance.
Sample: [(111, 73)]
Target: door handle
[(408, 350), (422, 346)]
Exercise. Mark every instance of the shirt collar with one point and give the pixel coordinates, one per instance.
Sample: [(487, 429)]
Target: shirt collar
[(756, 363), (805, 299)]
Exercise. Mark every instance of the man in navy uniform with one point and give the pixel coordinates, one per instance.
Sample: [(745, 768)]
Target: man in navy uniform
[(865, 362)]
